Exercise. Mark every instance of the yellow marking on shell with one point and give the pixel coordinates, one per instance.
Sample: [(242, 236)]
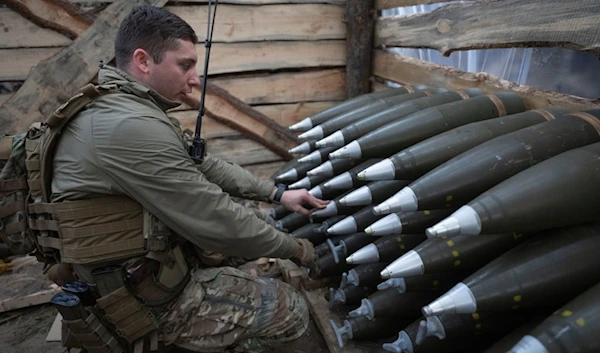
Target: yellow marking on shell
[(580, 322), (399, 240), (567, 313), (455, 253), (436, 282), (448, 198), (478, 326), (426, 213), (475, 316), (517, 298), (457, 263), (450, 243), (402, 246)]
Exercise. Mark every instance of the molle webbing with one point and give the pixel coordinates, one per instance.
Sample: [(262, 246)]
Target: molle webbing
[(90, 231), (92, 335)]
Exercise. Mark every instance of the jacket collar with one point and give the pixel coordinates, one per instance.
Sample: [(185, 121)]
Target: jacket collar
[(128, 84)]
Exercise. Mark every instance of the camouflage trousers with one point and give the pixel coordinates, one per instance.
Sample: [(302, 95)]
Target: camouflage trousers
[(225, 308)]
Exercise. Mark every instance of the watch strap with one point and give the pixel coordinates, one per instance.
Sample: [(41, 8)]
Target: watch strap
[(280, 189)]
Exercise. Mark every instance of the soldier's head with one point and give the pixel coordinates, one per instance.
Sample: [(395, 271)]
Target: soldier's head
[(158, 48)]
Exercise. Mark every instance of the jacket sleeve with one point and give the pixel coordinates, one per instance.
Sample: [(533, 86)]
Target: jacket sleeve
[(236, 180), (145, 159)]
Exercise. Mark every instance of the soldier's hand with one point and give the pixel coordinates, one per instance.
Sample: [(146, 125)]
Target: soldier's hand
[(307, 256), (295, 200)]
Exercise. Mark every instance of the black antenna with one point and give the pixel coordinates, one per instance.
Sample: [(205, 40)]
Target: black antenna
[(197, 149)]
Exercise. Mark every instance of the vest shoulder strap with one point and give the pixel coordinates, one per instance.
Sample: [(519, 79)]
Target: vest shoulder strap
[(57, 121)]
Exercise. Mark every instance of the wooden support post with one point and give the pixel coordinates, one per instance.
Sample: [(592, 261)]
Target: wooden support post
[(360, 23)]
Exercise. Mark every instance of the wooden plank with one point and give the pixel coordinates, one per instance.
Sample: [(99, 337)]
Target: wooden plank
[(390, 4), (360, 43), (227, 109), (4, 97), (58, 15), (265, 170), (497, 24), (237, 23), (16, 63), (272, 55), (378, 86), (310, 86), (210, 127), (283, 114), (288, 114), (405, 70), (240, 2), (18, 32), (28, 300), (55, 332), (319, 310), (58, 78), (241, 151)]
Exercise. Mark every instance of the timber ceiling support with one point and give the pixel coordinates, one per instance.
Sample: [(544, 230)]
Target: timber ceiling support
[(360, 17), (226, 109), (59, 15)]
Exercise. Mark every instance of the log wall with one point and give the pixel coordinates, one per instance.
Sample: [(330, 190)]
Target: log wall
[(480, 25), (284, 58)]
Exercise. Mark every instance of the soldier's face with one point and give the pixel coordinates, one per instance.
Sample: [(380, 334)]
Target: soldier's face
[(176, 74)]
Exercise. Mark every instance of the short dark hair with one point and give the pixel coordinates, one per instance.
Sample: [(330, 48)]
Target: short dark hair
[(153, 29)]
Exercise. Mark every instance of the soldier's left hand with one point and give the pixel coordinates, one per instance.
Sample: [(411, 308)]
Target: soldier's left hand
[(297, 200)]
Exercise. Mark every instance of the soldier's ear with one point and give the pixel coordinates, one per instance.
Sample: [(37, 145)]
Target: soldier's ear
[(142, 60)]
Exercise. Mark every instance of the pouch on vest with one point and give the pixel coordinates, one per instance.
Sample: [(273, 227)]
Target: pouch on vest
[(82, 328), (14, 230)]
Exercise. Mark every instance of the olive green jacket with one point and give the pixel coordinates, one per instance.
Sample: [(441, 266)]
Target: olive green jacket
[(125, 144)]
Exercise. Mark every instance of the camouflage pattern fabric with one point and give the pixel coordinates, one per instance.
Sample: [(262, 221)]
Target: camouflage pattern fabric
[(225, 308), (20, 242)]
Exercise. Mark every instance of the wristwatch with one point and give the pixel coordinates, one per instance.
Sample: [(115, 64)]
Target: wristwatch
[(280, 189)]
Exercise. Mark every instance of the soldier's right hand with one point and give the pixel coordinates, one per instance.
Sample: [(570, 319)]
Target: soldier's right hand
[(307, 256)]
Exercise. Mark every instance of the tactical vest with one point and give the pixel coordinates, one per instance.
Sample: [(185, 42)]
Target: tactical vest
[(150, 269)]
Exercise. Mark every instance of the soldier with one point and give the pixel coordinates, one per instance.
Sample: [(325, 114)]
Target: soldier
[(124, 144)]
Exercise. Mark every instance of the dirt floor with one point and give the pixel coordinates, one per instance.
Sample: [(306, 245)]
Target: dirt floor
[(25, 330)]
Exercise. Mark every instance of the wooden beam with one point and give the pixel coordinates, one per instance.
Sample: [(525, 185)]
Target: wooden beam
[(17, 63), (378, 86), (4, 98), (264, 171), (390, 4), (272, 55), (58, 15), (497, 24), (210, 127), (310, 86), (225, 57), (288, 114), (56, 79), (38, 298), (360, 17), (18, 32), (221, 106), (238, 23), (282, 114), (241, 151), (405, 70)]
